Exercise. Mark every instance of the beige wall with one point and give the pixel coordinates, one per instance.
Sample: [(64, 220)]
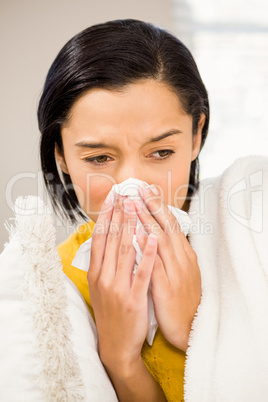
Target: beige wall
[(31, 34)]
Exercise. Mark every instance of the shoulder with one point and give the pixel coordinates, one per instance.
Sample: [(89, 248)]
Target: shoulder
[(243, 186), (241, 190), (245, 173), (250, 168), (241, 168)]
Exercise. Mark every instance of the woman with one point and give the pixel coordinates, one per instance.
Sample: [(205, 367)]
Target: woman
[(125, 99)]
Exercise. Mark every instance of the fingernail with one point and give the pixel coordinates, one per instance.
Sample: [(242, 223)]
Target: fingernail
[(152, 239), (146, 188), (143, 188), (154, 190), (139, 204), (128, 205)]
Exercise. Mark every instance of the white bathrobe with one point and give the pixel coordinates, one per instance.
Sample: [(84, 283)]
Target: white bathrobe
[(227, 359), (45, 324)]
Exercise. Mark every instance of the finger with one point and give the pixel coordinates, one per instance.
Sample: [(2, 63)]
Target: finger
[(113, 240), (159, 210), (159, 278), (141, 237), (167, 221), (166, 250), (99, 237), (144, 270), (159, 274), (127, 252), (189, 250)]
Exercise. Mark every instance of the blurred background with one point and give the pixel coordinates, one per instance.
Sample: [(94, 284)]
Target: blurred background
[(229, 40)]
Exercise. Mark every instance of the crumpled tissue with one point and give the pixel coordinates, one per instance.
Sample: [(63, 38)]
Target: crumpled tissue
[(81, 261)]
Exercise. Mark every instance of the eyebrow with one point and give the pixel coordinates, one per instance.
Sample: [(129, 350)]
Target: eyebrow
[(85, 144)]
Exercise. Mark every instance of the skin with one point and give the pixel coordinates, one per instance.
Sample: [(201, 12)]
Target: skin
[(125, 121)]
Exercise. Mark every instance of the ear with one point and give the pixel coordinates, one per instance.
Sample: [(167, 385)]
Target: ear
[(60, 159), (198, 137)]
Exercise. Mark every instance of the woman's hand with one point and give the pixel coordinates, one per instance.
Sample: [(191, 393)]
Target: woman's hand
[(119, 300), (176, 279)]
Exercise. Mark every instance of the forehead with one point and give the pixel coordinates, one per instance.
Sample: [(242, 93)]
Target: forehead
[(137, 111), (147, 95)]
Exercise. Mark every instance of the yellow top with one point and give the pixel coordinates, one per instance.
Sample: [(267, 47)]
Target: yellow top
[(164, 361)]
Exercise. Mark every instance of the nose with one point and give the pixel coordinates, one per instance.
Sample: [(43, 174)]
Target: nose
[(130, 170)]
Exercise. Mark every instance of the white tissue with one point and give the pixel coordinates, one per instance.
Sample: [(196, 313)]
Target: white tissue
[(129, 187)]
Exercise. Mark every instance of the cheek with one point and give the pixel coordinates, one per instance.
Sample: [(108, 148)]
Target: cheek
[(174, 184), (91, 190)]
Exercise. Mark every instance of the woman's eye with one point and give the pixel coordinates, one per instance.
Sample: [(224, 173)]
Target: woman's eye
[(163, 153), (101, 160), (98, 160)]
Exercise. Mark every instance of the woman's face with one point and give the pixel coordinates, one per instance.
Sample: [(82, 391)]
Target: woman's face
[(140, 131)]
